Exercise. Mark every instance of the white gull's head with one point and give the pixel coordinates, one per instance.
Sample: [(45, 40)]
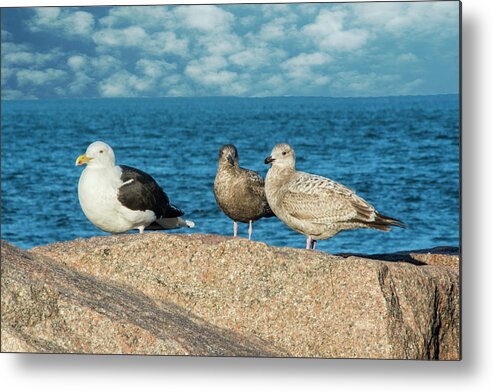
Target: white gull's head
[(98, 154), (282, 156)]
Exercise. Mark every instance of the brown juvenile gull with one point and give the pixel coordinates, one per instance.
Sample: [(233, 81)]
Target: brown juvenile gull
[(313, 205), (239, 192), (120, 198)]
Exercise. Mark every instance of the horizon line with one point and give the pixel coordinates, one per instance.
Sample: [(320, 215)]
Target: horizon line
[(231, 96)]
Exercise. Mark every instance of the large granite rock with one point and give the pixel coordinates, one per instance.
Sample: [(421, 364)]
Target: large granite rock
[(48, 307), (209, 295)]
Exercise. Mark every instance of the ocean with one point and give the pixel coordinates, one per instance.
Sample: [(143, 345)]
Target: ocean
[(399, 153)]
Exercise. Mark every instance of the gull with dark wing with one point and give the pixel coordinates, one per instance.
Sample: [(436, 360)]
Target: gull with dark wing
[(117, 199)]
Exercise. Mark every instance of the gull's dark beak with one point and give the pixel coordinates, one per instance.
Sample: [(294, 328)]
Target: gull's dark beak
[(231, 160), (269, 159)]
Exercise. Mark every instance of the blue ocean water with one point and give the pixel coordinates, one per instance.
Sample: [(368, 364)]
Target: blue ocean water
[(399, 153)]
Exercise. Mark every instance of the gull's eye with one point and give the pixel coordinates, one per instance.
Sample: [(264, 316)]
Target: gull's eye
[(284, 153), (100, 151)]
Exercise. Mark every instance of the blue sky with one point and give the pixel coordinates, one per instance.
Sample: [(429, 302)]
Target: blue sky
[(358, 49)]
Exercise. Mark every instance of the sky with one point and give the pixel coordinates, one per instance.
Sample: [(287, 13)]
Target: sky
[(318, 49)]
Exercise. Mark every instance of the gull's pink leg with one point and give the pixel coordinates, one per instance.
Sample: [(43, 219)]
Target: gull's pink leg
[(235, 229), (314, 243), (308, 242), (250, 230)]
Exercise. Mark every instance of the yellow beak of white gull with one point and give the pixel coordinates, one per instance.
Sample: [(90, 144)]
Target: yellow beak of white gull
[(82, 159)]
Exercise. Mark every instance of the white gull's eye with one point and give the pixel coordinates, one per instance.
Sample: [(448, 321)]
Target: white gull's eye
[(100, 151)]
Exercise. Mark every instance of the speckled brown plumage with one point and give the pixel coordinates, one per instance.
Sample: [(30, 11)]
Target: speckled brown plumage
[(316, 206), (239, 192)]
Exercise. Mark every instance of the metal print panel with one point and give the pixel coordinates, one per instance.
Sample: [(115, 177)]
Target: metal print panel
[(277, 180)]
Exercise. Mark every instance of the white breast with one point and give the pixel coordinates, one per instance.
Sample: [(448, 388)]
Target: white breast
[(98, 197)]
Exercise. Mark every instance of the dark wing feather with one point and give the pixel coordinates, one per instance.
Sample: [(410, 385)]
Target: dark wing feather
[(143, 193)]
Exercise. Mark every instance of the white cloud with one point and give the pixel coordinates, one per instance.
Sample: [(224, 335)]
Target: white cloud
[(22, 55), (206, 64), (205, 17), (153, 17), (220, 44), (6, 73), (211, 73), (180, 91), (271, 32), (130, 36), (70, 23), (6, 36), (168, 30), (99, 65), (154, 69), (328, 32), (80, 83), (77, 62), (86, 69), (353, 83), (172, 79), (46, 15), (144, 82), (257, 57), (279, 28), (120, 84), (166, 42), (209, 70), (308, 9), (437, 18), (9, 94), (81, 23), (269, 85), (175, 85), (156, 44), (219, 78), (271, 11), (247, 21), (9, 47), (302, 66), (308, 60), (37, 59), (321, 80), (28, 69), (105, 64), (26, 77), (411, 87), (407, 58), (18, 58)]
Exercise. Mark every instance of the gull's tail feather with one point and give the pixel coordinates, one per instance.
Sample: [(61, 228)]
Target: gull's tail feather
[(190, 224), (383, 222), (170, 223)]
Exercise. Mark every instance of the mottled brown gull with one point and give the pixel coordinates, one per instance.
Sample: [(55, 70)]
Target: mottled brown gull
[(313, 205), (239, 192)]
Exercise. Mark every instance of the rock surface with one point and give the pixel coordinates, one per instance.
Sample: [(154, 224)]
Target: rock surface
[(197, 294), (47, 307)]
